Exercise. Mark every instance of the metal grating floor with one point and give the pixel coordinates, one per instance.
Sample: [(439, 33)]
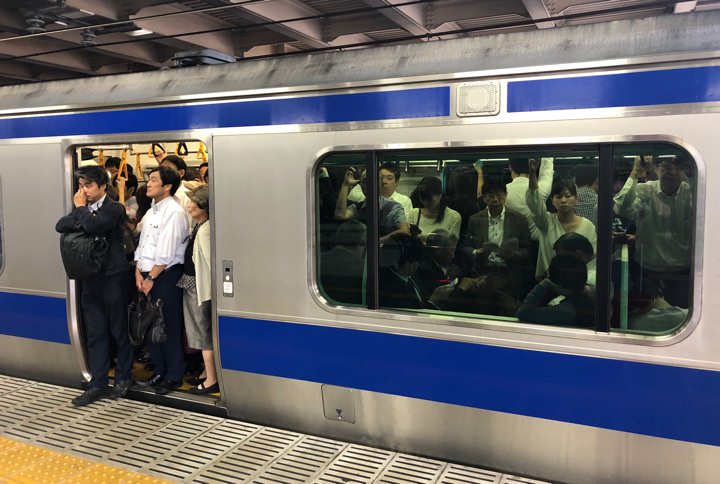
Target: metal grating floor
[(181, 446)]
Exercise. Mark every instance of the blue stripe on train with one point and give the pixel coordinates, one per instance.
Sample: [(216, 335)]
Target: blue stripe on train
[(673, 86), (371, 106), (661, 401), (36, 317)]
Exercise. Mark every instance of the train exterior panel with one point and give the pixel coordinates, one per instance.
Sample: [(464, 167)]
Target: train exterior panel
[(563, 404)]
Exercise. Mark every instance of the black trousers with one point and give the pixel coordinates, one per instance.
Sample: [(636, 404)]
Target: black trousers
[(104, 301), (168, 357)]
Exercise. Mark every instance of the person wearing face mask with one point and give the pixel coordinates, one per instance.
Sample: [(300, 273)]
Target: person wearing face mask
[(551, 226), (434, 214), (663, 212), (104, 298)]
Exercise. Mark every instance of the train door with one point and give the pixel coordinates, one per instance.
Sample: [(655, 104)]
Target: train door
[(129, 166), (35, 339)]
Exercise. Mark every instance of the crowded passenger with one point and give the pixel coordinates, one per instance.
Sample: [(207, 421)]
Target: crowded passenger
[(433, 213), (391, 217), (342, 267), (160, 256), (104, 297), (462, 193), (399, 260), (178, 164), (196, 284), (436, 266), (551, 226), (500, 243), (586, 180), (517, 189), (663, 213), (566, 277)]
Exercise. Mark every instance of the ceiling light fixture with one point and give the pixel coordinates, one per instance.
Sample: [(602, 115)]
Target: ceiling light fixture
[(135, 33)]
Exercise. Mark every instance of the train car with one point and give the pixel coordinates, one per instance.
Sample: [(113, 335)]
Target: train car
[(631, 396)]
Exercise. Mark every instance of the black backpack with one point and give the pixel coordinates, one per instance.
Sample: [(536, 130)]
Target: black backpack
[(83, 255)]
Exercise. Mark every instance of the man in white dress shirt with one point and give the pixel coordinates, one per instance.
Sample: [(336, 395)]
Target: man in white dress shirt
[(160, 255), (518, 187)]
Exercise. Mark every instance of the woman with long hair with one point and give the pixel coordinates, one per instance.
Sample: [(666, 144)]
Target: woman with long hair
[(433, 213)]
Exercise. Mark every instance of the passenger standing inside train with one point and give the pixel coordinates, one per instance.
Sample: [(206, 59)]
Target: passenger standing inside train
[(195, 282), (104, 298), (160, 255), (434, 214), (663, 212), (389, 178), (517, 189), (551, 226), (392, 216), (178, 164), (586, 179)]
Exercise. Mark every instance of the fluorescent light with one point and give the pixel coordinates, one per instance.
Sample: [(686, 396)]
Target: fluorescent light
[(684, 7), (86, 11), (60, 22), (138, 32)]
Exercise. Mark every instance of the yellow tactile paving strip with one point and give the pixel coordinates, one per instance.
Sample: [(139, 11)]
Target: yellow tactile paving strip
[(26, 463)]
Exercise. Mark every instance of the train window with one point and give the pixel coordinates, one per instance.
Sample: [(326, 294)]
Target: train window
[(341, 229), (652, 234), (512, 234)]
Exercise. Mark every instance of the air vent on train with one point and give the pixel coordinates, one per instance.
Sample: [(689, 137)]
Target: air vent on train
[(478, 99)]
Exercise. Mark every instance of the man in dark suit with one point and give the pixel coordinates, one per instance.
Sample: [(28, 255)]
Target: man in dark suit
[(500, 241), (342, 267), (104, 298)]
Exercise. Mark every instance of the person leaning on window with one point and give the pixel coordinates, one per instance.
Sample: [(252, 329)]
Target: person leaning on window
[(104, 298), (567, 275), (160, 255)]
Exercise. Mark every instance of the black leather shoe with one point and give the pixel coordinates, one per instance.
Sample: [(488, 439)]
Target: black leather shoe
[(90, 395), (167, 386), (153, 381), (214, 388), (120, 389)]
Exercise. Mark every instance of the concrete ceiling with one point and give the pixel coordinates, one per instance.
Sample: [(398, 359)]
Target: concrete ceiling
[(42, 40)]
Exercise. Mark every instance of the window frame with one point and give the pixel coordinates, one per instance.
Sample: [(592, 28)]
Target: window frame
[(605, 146)]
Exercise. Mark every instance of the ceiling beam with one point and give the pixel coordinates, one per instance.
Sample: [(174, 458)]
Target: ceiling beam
[(307, 31), (408, 17), (538, 11), (220, 41), (75, 61)]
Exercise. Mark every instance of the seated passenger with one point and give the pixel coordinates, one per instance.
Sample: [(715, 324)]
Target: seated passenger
[(399, 259), (575, 244), (342, 267), (656, 315), (434, 213), (392, 216), (462, 193), (567, 275), (436, 264), (551, 226), (479, 295), (500, 241), (663, 212)]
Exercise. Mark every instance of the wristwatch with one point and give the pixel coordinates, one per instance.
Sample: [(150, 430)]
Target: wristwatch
[(150, 278)]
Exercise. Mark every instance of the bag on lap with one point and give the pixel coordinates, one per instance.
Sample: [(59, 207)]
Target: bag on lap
[(146, 323), (83, 255)]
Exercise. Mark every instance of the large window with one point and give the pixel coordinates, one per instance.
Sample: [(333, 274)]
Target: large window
[(589, 236)]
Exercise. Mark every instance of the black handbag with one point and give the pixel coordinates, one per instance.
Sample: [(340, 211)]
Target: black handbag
[(83, 255), (146, 323)]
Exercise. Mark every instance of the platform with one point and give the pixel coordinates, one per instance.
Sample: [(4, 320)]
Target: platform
[(43, 438)]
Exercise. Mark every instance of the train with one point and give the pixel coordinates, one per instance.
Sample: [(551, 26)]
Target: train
[(608, 403)]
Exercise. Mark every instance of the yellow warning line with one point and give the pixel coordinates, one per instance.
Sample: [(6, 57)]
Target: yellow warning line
[(26, 463)]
